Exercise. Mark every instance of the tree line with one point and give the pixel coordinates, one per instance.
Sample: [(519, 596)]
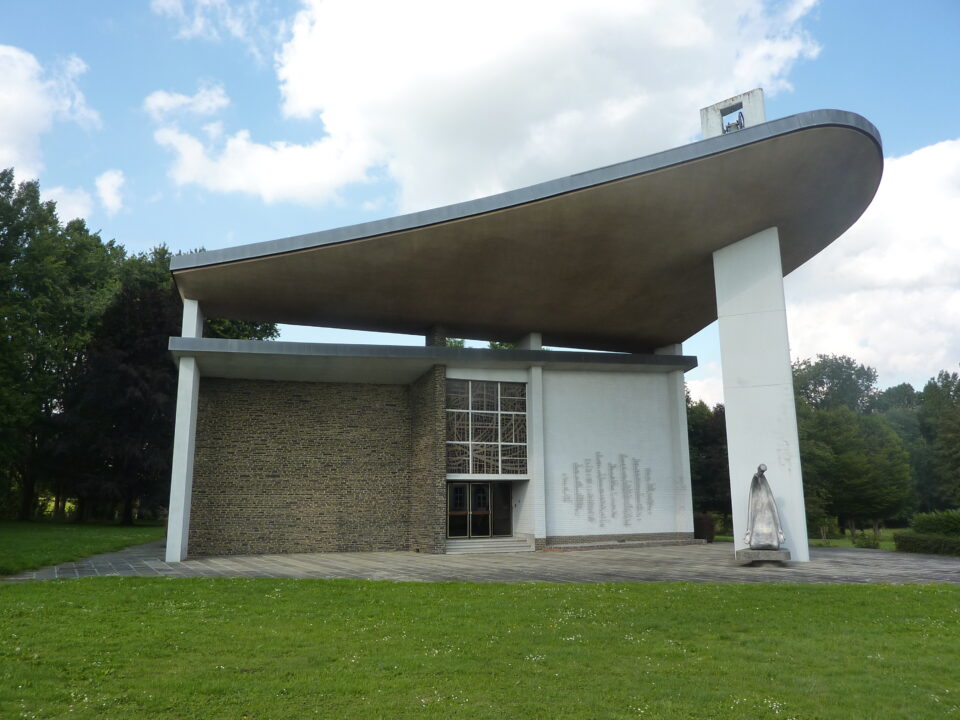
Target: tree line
[(869, 456), (87, 386)]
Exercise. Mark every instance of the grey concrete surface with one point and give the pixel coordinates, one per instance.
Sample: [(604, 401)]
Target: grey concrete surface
[(692, 563)]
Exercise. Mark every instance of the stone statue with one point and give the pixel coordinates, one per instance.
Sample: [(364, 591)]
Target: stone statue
[(763, 521)]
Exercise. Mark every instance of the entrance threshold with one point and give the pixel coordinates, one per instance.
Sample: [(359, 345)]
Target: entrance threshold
[(508, 544)]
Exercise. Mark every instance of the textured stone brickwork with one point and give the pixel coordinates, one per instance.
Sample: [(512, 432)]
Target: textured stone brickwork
[(575, 539), (428, 478), (310, 467)]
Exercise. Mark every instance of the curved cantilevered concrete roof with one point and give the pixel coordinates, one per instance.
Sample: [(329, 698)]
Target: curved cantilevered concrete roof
[(618, 258)]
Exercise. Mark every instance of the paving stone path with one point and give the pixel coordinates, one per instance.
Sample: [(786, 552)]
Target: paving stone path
[(694, 563)]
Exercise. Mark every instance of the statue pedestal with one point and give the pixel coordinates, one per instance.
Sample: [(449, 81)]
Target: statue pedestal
[(755, 556)]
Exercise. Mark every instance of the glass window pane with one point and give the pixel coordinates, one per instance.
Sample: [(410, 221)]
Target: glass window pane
[(514, 459), (485, 428), (513, 428), (513, 404), (458, 426), (486, 458), (513, 390), (458, 395), (483, 396), (458, 458), (502, 508), (458, 497), (457, 525)]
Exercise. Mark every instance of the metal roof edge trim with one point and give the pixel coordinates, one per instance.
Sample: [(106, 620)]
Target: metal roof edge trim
[(184, 346)]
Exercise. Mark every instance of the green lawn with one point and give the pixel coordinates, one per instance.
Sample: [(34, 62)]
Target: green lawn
[(886, 540), (25, 546), (219, 648)]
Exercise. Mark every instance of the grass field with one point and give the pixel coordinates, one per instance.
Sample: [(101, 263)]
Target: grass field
[(24, 546), (219, 648), (886, 540)]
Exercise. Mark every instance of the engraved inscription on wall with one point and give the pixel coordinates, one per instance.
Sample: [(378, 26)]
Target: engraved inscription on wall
[(609, 492)]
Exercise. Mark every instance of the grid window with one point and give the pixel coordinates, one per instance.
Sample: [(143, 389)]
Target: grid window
[(486, 427), (458, 457)]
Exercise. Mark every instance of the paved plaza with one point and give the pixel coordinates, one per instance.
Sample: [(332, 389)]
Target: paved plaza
[(692, 563)]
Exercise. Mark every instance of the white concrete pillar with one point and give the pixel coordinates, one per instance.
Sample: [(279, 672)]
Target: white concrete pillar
[(184, 435), (535, 453), (758, 383), (681, 443), (533, 341)]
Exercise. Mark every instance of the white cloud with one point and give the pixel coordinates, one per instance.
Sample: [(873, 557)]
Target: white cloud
[(31, 100), (71, 202), (209, 99), (887, 293), (456, 101), (274, 172), (213, 20), (707, 385), (109, 186), (463, 101)]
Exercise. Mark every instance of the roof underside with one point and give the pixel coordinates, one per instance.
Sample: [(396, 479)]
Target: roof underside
[(615, 259)]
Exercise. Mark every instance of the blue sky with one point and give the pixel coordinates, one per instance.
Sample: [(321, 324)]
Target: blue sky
[(214, 123)]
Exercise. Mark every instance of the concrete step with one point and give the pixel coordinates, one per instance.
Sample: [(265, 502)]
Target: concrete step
[(625, 544), (488, 545)]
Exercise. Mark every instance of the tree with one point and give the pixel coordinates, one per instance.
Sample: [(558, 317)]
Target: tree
[(118, 425), (940, 426), (709, 471), (57, 281), (834, 381), (855, 466)]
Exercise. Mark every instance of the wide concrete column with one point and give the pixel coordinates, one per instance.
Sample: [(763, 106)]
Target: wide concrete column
[(758, 383), (677, 389), (535, 453), (184, 435)]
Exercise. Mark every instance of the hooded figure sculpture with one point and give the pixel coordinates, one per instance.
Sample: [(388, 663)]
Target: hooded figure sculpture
[(763, 521)]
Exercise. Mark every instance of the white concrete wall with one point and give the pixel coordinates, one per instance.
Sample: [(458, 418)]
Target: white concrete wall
[(758, 383), (523, 510), (625, 425)]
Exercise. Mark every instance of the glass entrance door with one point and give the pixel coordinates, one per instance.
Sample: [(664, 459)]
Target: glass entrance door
[(478, 509)]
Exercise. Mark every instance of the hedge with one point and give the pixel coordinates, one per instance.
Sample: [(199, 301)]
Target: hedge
[(929, 543), (946, 522)]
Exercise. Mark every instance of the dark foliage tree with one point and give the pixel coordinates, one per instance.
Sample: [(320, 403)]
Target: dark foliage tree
[(940, 426), (118, 426), (57, 280), (834, 381), (855, 467), (709, 472)]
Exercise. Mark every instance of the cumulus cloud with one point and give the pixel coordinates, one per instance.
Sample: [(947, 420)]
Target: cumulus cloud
[(456, 101), (887, 293), (214, 20), (32, 98), (209, 99), (465, 101), (707, 385), (274, 172), (71, 203), (109, 186)]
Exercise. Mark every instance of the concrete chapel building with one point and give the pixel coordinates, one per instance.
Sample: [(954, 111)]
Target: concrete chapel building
[(305, 447)]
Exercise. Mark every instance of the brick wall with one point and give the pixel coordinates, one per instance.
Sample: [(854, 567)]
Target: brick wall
[(315, 467), (428, 489)]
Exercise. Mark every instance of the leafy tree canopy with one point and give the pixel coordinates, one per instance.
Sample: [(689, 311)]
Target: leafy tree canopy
[(834, 381)]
